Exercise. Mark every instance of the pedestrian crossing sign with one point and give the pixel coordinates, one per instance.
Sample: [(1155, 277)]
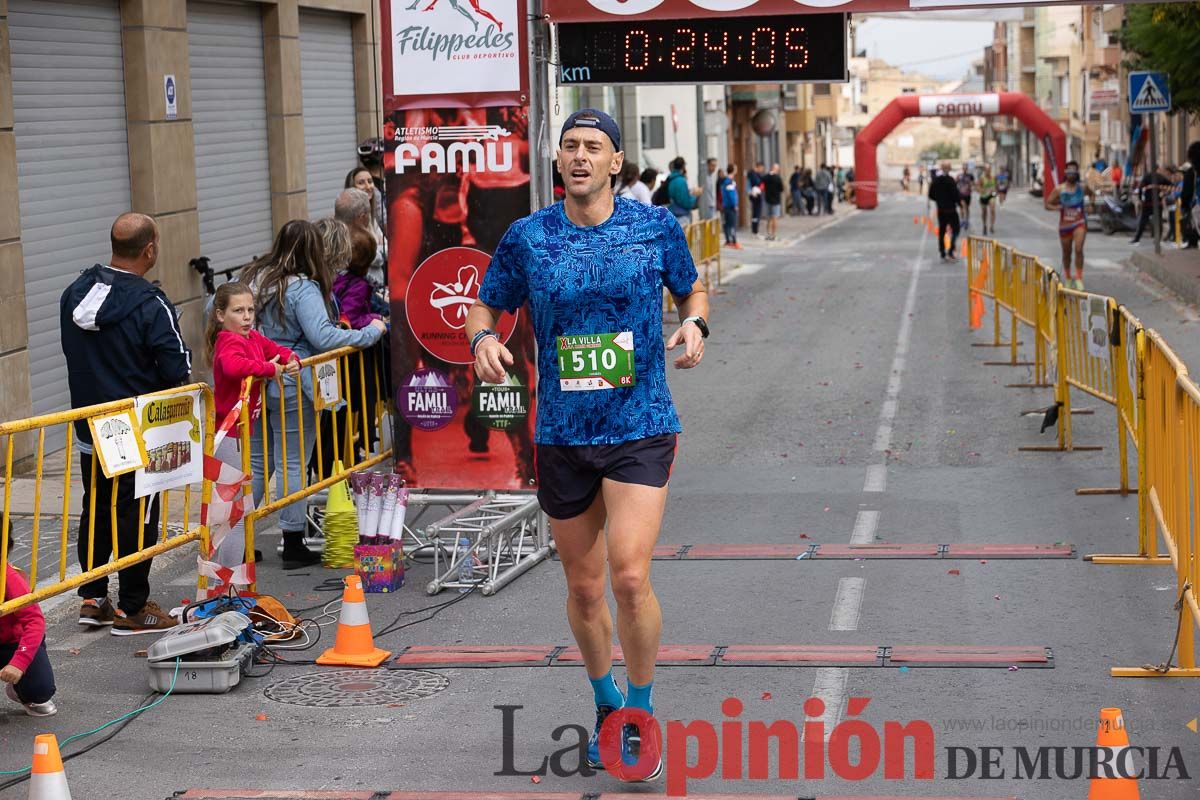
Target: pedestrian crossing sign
[(1149, 92)]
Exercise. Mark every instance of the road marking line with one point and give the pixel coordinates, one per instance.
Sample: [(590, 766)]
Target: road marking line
[(830, 682), (865, 525), (876, 478), (847, 605), (830, 687), (742, 271)]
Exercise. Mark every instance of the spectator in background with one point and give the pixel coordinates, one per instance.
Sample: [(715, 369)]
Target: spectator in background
[(353, 207), (754, 190), (708, 195), (1188, 200), (649, 177), (353, 291), (727, 187), (630, 184), (293, 288), (810, 193), (823, 185), (773, 197), (683, 198), (794, 182), (1160, 182), (121, 339), (26, 672), (335, 243)]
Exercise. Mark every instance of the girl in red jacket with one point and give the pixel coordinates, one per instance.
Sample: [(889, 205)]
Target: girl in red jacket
[(26, 675), (237, 352)]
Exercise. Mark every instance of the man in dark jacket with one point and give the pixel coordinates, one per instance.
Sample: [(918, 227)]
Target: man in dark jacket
[(121, 338), (943, 191)]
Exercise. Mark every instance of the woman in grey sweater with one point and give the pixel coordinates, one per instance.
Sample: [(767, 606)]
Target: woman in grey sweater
[(293, 288)]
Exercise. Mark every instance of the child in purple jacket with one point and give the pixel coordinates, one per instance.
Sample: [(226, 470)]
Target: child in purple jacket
[(353, 291)]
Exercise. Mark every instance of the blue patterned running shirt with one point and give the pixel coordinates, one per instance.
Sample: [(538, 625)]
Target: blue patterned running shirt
[(580, 281)]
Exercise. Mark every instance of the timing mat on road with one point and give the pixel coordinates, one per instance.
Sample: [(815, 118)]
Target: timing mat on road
[(255, 794), (488, 656), (810, 551)]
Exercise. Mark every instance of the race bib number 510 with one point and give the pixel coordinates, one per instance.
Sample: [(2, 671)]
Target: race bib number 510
[(596, 361)]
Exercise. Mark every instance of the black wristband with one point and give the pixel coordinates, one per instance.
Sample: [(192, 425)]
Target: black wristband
[(480, 336)]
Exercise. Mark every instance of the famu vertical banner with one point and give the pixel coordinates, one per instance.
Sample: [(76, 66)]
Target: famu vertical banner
[(457, 162)]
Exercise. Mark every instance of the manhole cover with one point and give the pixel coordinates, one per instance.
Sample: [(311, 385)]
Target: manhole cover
[(351, 688)]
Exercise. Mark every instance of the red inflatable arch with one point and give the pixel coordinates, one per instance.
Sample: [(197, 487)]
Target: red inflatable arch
[(866, 171)]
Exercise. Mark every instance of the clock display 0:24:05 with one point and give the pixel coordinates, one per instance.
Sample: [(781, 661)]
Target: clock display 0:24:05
[(795, 48)]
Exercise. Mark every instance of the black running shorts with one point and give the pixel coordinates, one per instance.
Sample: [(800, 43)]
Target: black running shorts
[(569, 476)]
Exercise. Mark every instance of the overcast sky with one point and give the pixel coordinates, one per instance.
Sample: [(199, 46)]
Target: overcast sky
[(940, 49)]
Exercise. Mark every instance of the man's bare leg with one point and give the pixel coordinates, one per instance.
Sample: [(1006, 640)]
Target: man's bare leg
[(581, 549), (634, 519)]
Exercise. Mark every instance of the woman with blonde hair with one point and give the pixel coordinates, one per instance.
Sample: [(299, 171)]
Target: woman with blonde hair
[(293, 287)]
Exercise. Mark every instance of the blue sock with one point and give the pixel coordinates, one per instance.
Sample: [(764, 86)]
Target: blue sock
[(639, 697), (606, 692)]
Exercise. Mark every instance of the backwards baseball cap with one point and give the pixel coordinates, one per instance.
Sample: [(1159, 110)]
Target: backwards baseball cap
[(593, 118)]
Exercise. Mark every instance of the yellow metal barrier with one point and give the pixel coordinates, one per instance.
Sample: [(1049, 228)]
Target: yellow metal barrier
[(1172, 475), (182, 519), (353, 427), (1088, 343), (704, 242)]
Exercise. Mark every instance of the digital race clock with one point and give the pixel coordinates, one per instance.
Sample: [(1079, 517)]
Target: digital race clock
[(776, 49)]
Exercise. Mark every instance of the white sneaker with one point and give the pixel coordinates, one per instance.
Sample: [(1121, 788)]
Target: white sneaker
[(46, 709)]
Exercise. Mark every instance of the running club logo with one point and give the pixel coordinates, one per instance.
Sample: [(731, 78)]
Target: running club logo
[(441, 292), (471, 46), (454, 148)]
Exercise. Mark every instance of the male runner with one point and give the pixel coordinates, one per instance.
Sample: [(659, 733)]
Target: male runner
[(987, 193), (593, 268), (944, 194), (1068, 198), (966, 185)]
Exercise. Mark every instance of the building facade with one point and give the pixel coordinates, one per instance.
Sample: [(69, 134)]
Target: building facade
[(270, 98)]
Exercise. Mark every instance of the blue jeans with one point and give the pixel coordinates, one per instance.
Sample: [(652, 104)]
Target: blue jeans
[(729, 221), (292, 517), (37, 684)]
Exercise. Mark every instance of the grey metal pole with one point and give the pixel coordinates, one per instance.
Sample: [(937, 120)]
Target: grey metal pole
[(1155, 200), (541, 181)]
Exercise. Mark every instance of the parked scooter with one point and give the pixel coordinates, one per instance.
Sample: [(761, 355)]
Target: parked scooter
[(1117, 215)]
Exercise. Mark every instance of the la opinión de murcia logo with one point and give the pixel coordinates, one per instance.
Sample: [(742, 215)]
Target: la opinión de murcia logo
[(481, 148), (736, 749), (452, 45)]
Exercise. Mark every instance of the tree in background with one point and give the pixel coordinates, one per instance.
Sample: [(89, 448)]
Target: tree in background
[(1166, 38)]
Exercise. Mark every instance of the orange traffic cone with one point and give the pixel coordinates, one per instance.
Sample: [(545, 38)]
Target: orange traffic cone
[(48, 780), (353, 646), (916, 220), (929, 226), (1111, 734)]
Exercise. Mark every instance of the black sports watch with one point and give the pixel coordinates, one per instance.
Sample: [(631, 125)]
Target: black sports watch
[(700, 323)]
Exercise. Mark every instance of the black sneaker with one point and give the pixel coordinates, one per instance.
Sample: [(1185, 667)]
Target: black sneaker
[(96, 613), (631, 750), (593, 745)]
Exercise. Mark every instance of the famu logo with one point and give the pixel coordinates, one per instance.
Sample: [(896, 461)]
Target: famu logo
[(500, 406), (454, 148), (442, 43)]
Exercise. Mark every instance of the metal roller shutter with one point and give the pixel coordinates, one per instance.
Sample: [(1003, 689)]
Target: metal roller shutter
[(330, 130), (229, 120), (72, 163)]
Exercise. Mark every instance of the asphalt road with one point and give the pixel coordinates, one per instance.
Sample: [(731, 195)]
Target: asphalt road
[(839, 402)]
